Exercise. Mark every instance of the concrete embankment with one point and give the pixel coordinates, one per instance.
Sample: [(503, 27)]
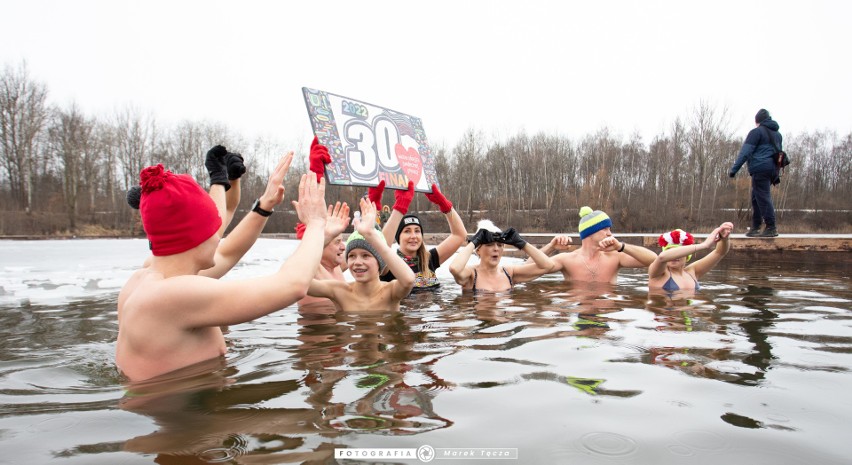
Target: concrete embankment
[(782, 243)]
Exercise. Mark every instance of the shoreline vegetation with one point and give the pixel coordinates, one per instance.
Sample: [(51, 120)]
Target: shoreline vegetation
[(66, 173)]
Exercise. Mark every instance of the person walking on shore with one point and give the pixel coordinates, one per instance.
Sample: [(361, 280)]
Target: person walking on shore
[(759, 151)]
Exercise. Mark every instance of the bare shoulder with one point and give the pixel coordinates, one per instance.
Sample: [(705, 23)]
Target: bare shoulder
[(566, 257), (149, 290)]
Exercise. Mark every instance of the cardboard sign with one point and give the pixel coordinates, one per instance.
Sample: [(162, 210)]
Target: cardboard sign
[(368, 143)]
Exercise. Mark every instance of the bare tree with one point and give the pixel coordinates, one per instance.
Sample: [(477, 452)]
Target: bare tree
[(134, 136), (71, 143), (706, 136), (23, 114)]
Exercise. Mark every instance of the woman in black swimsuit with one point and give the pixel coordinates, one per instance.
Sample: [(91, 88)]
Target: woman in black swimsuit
[(488, 275)]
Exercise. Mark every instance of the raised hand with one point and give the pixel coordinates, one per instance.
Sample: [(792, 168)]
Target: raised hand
[(235, 164), (725, 229), (318, 158), (403, 198), (338, 219), (134, 196), (438, 199), (366, 224), (375, 194), (482, 237), (311, 205), (274, 193), (561, 242), (216, 167), (609, 244), (511, 237)]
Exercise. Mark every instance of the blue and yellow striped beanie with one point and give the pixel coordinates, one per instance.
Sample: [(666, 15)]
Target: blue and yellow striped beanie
[(592, 222)]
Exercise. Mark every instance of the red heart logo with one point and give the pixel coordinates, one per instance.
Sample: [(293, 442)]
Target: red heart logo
[(409, 161)]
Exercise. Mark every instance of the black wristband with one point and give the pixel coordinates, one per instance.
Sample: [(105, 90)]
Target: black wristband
[(256, 208), (623, 244)]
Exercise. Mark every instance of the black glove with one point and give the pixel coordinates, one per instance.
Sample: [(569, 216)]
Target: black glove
[(216, 167), (482, 237), (511, 237), (134, 196), (236, 167)]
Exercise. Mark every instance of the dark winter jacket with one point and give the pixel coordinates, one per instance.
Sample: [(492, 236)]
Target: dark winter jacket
[(757, 149)]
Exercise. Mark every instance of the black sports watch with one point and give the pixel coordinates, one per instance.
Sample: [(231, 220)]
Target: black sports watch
[(256, 208)]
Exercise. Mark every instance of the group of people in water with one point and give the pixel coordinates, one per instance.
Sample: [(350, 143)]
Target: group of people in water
[(171, 312)]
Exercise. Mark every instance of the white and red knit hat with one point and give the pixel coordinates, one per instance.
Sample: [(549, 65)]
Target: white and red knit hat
[(675, 238)]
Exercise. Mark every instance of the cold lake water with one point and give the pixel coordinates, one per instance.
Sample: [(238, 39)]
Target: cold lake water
[(752, 369)]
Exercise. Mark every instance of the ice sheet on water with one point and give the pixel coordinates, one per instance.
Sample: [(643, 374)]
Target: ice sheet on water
[(53, 272)]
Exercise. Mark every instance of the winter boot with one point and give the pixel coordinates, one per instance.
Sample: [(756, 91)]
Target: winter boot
[(769, 232), (753, 232)]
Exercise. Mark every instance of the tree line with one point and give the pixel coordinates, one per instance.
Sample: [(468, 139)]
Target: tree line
[(63, 172)]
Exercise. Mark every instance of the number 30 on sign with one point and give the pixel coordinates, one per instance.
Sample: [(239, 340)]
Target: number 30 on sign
[(369, 144)]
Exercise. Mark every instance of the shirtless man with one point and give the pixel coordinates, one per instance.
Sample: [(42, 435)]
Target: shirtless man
[(169, 316), (333, 262), (367, 252), (600, 255)]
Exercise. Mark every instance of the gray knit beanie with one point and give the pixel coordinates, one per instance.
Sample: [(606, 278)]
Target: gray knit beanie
[(357, 241)]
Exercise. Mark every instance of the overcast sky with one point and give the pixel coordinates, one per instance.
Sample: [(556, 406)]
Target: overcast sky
[(497, 66)]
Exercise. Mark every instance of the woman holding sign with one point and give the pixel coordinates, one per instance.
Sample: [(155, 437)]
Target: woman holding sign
[(406, 229)]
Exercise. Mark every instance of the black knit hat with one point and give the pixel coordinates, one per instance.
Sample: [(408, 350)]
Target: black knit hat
[(407, 220), (761, 116)]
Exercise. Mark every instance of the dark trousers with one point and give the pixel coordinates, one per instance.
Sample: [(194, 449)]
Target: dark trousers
[(761, 200)]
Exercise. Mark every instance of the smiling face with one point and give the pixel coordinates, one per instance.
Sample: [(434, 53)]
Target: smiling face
[(490, 254), (410, 239), (363, 265), (333, 253)]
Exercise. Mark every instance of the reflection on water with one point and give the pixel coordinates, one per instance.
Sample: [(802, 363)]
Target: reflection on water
[(752, 368)]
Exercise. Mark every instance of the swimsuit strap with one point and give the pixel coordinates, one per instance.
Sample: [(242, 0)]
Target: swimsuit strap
[(511, 284)]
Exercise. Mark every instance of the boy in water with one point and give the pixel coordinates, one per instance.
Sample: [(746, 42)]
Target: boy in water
[(366, 255)]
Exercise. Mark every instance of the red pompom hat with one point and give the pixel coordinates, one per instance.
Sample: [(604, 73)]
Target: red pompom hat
[(177, 213)]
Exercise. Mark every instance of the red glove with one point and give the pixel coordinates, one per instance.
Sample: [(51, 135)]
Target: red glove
[(403, 198), (375, 195), (318, 158), (300, 230), (438, 199)]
